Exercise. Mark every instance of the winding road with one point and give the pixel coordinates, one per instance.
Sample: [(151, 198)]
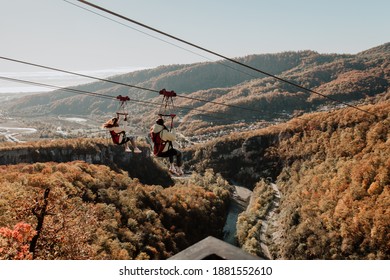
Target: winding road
[(265, 223), (10, 133)]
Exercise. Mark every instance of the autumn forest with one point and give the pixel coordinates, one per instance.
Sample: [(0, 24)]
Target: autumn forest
[(319, 171)]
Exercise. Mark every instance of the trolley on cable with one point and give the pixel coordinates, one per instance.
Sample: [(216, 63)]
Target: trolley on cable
[(122, 109), (167, 107)]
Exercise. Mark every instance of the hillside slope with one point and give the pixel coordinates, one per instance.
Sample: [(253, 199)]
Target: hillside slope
[(333, 173), (348, 78), (77, 210)]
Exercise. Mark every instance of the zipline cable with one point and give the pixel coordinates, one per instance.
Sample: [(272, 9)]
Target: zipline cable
[(94, 94), (205, 113), (58, 88), (160, 39), (125, 84), (77, 74), (221, 56), (135, 29)]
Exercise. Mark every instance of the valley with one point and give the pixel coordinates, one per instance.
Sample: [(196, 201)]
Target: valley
[(19, 129), (281, 173)]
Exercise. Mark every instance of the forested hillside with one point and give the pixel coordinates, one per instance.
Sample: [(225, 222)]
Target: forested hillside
[(319, 169), (333, 173), (78, 210), (332, 170)]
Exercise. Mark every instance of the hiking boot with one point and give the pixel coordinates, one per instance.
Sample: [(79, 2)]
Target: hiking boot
[(137, 151)]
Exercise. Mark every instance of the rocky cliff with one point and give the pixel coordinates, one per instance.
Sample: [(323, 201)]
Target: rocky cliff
[(244, 160), (140, 166)]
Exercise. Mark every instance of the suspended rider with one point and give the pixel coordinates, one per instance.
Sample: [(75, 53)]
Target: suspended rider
[(118, 134), (163, 147)]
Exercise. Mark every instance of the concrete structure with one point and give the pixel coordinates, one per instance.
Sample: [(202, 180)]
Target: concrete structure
[(212, 248)]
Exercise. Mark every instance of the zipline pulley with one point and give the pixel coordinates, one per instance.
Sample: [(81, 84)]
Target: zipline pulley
[(167, 107), (122, 110)]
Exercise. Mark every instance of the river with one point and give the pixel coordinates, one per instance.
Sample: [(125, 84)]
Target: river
[(238, 204)]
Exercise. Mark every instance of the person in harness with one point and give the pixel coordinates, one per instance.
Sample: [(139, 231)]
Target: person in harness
[(118, 135), (162, 140)]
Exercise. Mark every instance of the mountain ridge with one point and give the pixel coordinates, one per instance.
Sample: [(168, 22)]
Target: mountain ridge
[(348, 77)]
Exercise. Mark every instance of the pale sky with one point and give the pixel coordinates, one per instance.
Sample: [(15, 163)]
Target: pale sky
[(58, 34)]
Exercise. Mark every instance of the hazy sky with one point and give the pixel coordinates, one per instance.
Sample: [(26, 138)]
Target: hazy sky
[(58, 34)]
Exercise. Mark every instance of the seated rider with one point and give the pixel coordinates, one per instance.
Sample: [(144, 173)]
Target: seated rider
[(118, 135), (162, 139)]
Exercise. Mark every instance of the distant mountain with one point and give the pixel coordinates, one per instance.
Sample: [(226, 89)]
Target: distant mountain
[(343, 77)]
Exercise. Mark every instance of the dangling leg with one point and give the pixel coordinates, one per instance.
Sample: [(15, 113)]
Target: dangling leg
[(176, 170), (170, 154), (179, 162), (125, 142), (127, 149), (136, 150), (172, 168)]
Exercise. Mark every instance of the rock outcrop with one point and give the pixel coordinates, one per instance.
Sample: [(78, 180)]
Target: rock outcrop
[(140, 166)]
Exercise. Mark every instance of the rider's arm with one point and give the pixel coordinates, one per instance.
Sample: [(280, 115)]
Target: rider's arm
[(168, 136), (117, 129)]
